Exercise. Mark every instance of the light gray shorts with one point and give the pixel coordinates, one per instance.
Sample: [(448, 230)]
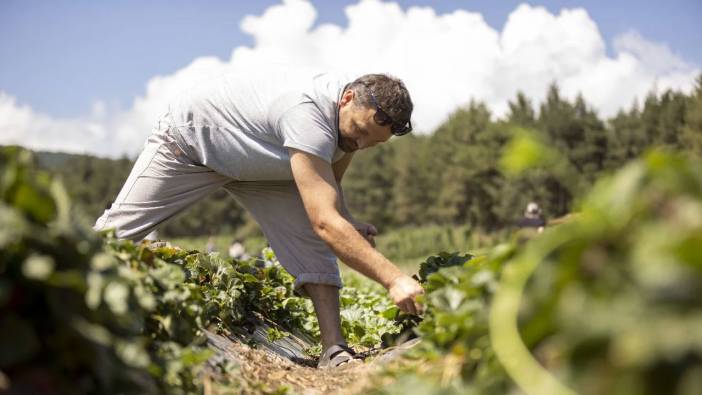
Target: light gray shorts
[(164, 182)]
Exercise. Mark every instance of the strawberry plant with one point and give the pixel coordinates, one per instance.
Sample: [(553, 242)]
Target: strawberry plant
[(88, 314), (606, 304)]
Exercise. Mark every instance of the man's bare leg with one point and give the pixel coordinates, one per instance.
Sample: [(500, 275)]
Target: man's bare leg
[(326, 304)]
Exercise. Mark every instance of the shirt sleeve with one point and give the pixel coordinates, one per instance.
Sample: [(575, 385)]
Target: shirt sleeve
[(304, 128)]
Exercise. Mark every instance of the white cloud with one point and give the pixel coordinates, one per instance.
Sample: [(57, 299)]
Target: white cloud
[(657, 57), (446, 60), (21, 126)]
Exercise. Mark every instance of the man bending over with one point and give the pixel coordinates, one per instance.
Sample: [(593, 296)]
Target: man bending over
[(279, 143)]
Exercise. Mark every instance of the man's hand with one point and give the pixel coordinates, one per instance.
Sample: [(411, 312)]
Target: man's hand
[(368, 231), (403, 291)]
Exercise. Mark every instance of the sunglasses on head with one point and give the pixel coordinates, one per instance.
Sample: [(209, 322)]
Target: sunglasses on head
[(382, 118)]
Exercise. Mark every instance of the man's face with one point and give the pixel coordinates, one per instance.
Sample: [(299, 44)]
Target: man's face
[(357, 129)]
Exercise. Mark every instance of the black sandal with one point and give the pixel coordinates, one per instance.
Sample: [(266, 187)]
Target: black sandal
[(337, 355)]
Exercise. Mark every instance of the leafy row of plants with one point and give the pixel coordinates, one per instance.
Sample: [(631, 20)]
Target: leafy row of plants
[(607, 304), (54, 338), (85, 313), (610, 303)]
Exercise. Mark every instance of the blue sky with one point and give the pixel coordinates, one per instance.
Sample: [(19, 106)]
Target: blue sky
[(93, 76), (60, 56)]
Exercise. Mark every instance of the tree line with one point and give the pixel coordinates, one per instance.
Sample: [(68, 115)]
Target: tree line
[(452, 176)]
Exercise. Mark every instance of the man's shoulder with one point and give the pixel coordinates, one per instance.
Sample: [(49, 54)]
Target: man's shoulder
[(316, 95)]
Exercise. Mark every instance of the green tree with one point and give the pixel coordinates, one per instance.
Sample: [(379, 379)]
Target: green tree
[(559, 124), (465, 150), (590, 153), (368, 185), (412, 189), (627, 137), (691, 138), (521, 112)]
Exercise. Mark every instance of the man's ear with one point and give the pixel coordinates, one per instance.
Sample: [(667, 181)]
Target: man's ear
[(346, 97)]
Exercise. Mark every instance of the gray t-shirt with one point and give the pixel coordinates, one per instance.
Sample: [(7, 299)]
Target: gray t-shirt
[(241, 125)]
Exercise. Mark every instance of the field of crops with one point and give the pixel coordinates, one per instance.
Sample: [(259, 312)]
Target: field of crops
[(609, 303)]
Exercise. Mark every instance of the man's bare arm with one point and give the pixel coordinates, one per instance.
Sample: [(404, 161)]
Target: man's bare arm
[(318, 188)]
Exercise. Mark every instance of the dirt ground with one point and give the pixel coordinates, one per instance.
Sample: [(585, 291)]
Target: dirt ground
[(260, 371)]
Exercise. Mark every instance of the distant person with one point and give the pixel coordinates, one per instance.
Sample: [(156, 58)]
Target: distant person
[(210, 247), (533, 218), (279, 141), (237, 251)]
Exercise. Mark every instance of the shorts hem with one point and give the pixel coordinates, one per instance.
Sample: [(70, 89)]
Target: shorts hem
[(316, 278)]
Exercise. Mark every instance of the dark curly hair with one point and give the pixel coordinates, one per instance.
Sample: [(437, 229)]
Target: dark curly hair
[(390, 92)]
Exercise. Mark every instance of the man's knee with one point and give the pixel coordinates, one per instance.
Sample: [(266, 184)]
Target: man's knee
[(317, 281)]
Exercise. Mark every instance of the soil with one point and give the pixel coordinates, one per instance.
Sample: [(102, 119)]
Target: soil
[(264, 369)]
